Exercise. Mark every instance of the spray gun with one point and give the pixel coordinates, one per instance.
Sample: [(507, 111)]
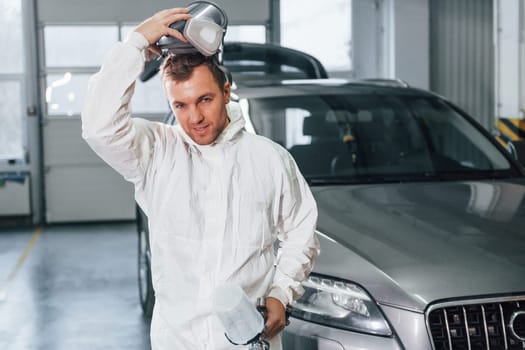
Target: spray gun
[(242, 320)]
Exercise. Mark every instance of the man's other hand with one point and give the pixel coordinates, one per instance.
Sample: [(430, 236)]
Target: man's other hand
[(276, 318), (158, 25)]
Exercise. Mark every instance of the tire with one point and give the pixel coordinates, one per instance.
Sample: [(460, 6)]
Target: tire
[(146, 293)]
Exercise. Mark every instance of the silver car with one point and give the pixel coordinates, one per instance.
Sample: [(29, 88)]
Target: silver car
[(421, 218)]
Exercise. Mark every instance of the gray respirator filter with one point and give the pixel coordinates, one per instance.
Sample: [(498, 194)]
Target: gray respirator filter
[(205, 31)]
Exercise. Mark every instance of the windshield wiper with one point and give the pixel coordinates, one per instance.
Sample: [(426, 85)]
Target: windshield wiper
[(362, 179), (411, 177), (477, 175)]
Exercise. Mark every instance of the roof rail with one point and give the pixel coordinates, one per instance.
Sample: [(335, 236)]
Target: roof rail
[(387, 82)]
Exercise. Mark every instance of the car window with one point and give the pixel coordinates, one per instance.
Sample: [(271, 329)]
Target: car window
[(453, 137), (350, 136)]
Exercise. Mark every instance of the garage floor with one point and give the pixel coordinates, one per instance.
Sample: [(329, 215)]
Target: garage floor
[(70, 287)]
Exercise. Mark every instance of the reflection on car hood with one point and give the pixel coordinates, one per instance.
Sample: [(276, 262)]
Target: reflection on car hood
[(411, 244)]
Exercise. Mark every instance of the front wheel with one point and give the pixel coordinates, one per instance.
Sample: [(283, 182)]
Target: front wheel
[(146, 294)]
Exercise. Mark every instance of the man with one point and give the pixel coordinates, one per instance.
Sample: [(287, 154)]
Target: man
[(217, 198)]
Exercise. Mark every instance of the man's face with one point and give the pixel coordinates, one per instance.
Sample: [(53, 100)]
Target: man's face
[(199, 105)]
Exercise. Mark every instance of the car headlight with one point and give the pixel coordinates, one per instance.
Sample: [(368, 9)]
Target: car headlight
[(337, 303)]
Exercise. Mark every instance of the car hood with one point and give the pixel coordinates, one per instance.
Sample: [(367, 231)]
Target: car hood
[(414, 243)]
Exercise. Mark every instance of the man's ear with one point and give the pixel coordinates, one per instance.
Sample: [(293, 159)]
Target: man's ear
[(227, 91)]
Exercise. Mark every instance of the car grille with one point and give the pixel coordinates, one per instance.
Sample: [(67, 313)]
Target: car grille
[(478, 325)]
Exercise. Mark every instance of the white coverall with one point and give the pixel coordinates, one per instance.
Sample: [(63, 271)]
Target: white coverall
[(214, 211)]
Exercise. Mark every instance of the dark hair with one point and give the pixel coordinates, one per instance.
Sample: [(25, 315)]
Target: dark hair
[(180, 67)]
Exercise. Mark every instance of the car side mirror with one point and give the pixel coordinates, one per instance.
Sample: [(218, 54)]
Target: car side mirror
[(517, 149)]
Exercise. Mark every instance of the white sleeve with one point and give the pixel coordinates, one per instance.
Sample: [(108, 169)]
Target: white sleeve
[(299, 245), (125, 143)]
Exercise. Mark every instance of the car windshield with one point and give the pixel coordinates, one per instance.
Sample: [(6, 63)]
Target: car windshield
[(376, 138)]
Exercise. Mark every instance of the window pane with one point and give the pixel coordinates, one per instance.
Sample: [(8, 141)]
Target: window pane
[(149, 97), (11, 36), (126, 29), (253, 34), (248, 33), (77, 46), (65, 93), (11, 137), (321, 29)]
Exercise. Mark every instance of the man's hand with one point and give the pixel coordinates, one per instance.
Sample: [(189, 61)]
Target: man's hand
[(276, 317), (158, 25)]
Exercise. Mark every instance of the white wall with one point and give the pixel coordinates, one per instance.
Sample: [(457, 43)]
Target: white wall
[(366, 29), (409, 51), (510, 59), (391, 40)]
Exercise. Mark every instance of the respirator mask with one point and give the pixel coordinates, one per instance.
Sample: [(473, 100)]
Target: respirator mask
[(204, 31)]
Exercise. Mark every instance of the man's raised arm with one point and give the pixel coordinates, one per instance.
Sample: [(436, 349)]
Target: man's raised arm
[(124, 143)]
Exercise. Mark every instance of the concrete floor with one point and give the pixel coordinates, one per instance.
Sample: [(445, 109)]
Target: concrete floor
[(75, 288)]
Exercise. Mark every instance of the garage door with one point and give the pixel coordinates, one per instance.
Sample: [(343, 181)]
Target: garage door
[(79, 186)]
